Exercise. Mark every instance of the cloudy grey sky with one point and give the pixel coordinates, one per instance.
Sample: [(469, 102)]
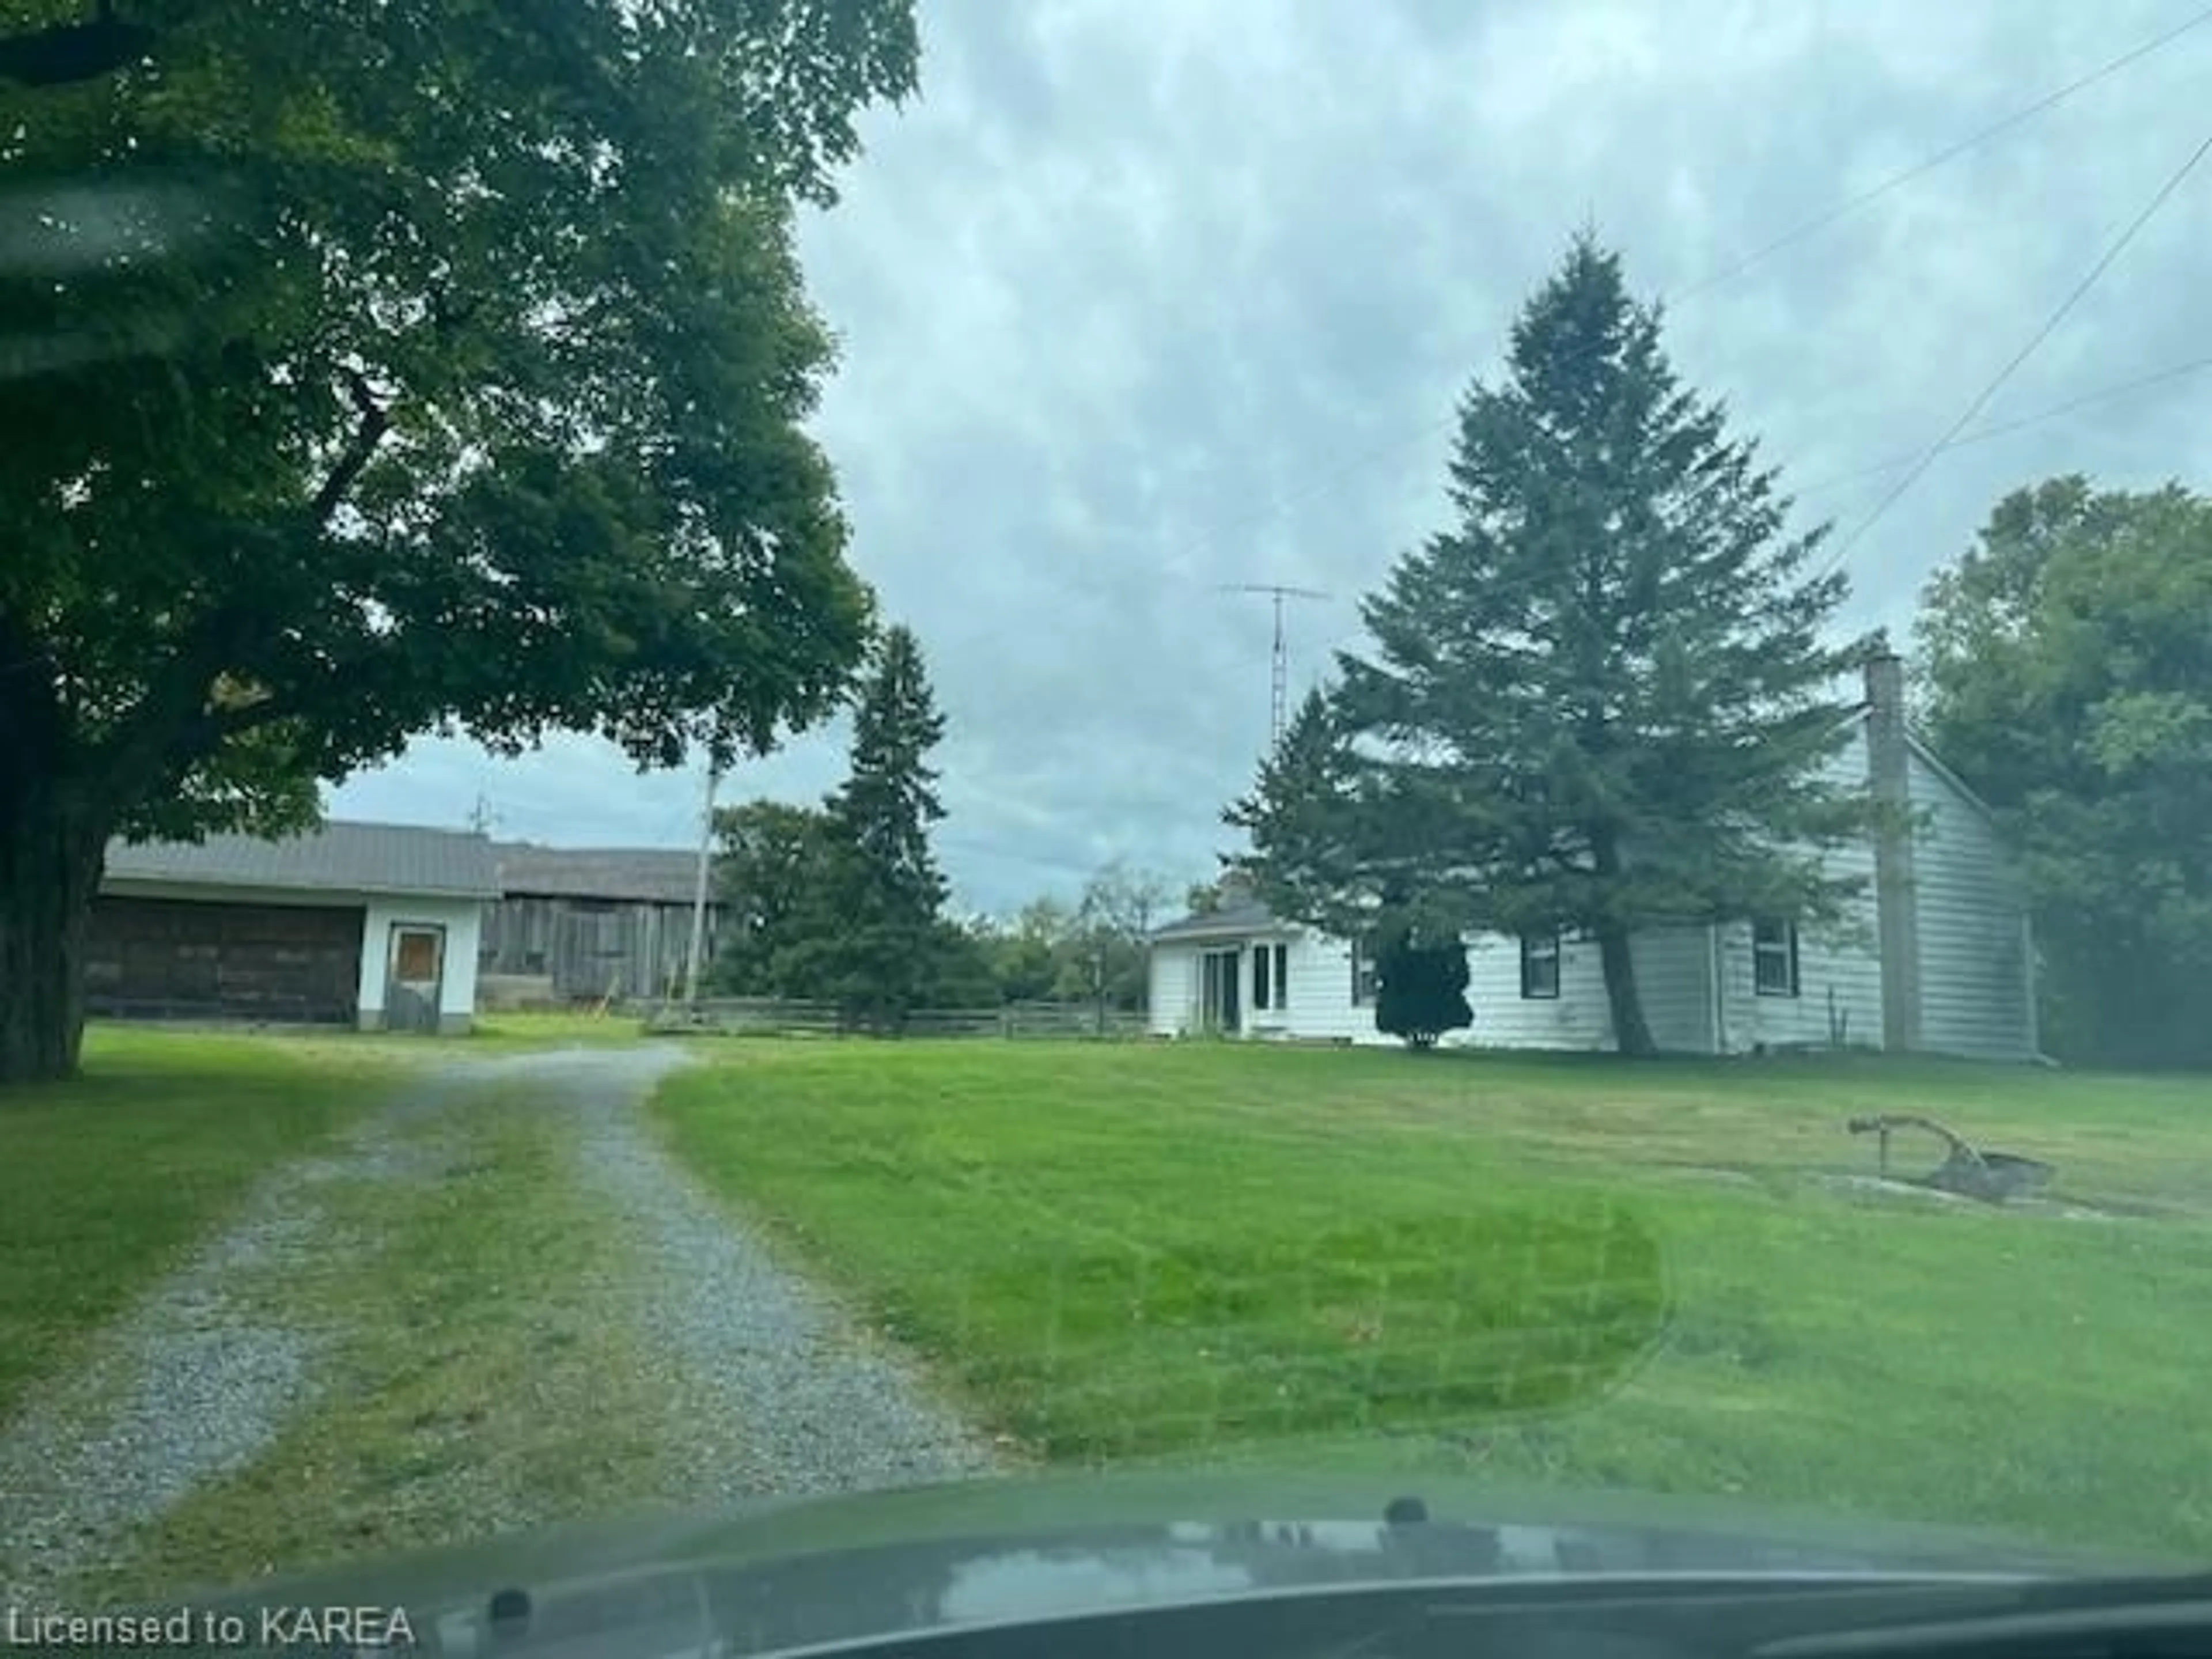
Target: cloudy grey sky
[(1147, 296)]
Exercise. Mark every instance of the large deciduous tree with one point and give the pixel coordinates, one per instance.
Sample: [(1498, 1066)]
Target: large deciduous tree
[(2067, 662), (771, 854), (375, 369), (1031, 950), (1601, 700), (1105, 957)]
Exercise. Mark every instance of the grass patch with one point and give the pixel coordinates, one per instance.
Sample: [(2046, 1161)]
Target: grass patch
[(109, 1182), (1572, 1274), (479, 1370), (1091, 1353)]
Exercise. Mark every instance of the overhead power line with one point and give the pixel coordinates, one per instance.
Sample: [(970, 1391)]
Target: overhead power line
[(2006, 428), (1927, 164), (1329, 480), (1995, 383)]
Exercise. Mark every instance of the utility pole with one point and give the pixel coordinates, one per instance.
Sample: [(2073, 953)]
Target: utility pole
[(1278, 679), (698, 944)]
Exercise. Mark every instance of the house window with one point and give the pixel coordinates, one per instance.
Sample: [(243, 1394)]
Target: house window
[(1270, 978), (1540, 966), (1363, 975), (1774, 958)]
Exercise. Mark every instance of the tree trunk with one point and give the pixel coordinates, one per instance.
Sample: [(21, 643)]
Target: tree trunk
[(1632, 1035), (51, 849)]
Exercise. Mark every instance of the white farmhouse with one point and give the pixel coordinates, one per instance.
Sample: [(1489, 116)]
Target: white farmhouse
[(1934, 958)]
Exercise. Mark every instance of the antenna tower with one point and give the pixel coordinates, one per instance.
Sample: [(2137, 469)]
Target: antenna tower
[(1278, 702)]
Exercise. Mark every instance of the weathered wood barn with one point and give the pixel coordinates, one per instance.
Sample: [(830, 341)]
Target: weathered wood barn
[(580, 924)]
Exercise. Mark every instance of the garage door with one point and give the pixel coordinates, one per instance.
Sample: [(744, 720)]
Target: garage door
[(183, 959)]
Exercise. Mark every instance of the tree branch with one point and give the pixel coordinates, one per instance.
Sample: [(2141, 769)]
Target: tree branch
[(375, 421), (166, 721)]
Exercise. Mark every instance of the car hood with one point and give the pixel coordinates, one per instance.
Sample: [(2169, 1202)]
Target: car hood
[(799, 1572)]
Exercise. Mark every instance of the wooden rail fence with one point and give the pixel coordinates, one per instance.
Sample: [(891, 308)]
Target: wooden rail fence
[(770, 1017)]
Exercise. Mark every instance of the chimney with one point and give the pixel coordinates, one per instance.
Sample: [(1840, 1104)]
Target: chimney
[(1897, 916)]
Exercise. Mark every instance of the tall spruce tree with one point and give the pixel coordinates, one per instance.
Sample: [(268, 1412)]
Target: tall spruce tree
[(871, 932), (1601, 700)]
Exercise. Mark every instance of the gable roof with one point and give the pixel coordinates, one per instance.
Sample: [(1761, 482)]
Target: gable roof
[(1237, 917), (653, 875), (339, 856), (1957, 785), (1918, 745)]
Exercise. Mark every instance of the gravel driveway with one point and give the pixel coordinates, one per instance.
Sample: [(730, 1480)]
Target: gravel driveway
[(779, 1390), (768, 1387)]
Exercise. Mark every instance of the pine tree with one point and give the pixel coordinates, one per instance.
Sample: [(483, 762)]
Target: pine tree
[(869, 935), (1304, 861), (1601, 701)]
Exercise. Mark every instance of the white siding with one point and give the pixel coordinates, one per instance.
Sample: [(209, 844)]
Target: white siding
[(1838, 989), (462, 920), (1578, 1017), (1975, 989), (1838, 965), (1171, 991), (1321, 1008)]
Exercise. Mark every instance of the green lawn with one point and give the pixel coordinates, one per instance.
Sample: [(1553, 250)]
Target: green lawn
[(109, 1182), (1570, 1272)]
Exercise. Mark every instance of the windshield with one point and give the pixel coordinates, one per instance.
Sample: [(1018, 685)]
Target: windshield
[(772, 752)]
